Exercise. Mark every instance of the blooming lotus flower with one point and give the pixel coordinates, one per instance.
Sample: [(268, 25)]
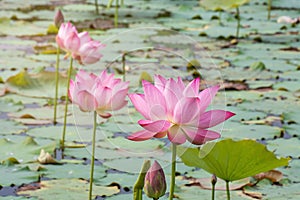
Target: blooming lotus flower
[(67, 38), (101, 93), (155, 182), (178, 111), (78, 45), (89, 51)]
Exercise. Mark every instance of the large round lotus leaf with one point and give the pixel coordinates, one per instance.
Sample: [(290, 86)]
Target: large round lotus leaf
[(68, 189), (221, 4), (232, 160)]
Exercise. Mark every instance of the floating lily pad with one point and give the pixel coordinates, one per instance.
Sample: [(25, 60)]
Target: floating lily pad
[(24, 149), (285, 147), (16, 175), (10, 127), (36, 85), (76, 189)]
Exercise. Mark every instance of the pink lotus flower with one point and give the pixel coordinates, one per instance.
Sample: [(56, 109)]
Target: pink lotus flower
[(80, 46), (177, 111), (101, 93), (67, 38), (155, 181)]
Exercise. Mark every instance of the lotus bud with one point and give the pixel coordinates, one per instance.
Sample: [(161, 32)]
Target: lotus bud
[(214, 179), (58, 18), (155, 182)]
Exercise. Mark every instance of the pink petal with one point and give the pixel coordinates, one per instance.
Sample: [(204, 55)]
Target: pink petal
[(84, 37), (173, 93), (200, 136), (156, 126), (60, 42), (176, 135), (72, 42), (206, 97), (118, 100), (192, 89), (103, 96), (160, 134), (138, 100), (160, 82), (141, 135), (86, 101), (186, 110), (213, 117), (71, 89), (103, 114), (153, 96)]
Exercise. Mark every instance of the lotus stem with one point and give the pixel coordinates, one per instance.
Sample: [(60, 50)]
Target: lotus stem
[(96, 6), (116, 13), (66, 106), (56, 85), (109, 3), (139, 184), (269, 8), (172, 186), (93, 156), (228, 190), (220, 16), (123, 66), (238, 22)]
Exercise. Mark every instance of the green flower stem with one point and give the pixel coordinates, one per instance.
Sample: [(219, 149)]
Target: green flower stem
[(220, 17), (123, 66), (269, 8), (93, 156), (96, 6), (228, 190), (213, 192), (117, 13), (172, 186), (238, 22), (56, 85), (66, 106), (139, 184)]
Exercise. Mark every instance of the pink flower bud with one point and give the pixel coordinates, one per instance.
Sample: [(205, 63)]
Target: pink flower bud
[(58, 18), (155, 182)]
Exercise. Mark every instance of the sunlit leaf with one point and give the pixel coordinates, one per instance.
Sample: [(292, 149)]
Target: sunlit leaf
[(222, 5), (232, 160)]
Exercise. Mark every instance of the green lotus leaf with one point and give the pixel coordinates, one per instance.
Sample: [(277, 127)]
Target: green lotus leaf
[(232, 160), (36, 84)]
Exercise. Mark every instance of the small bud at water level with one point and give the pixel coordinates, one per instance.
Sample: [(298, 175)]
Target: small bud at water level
[(155, 182), (58, 18)]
